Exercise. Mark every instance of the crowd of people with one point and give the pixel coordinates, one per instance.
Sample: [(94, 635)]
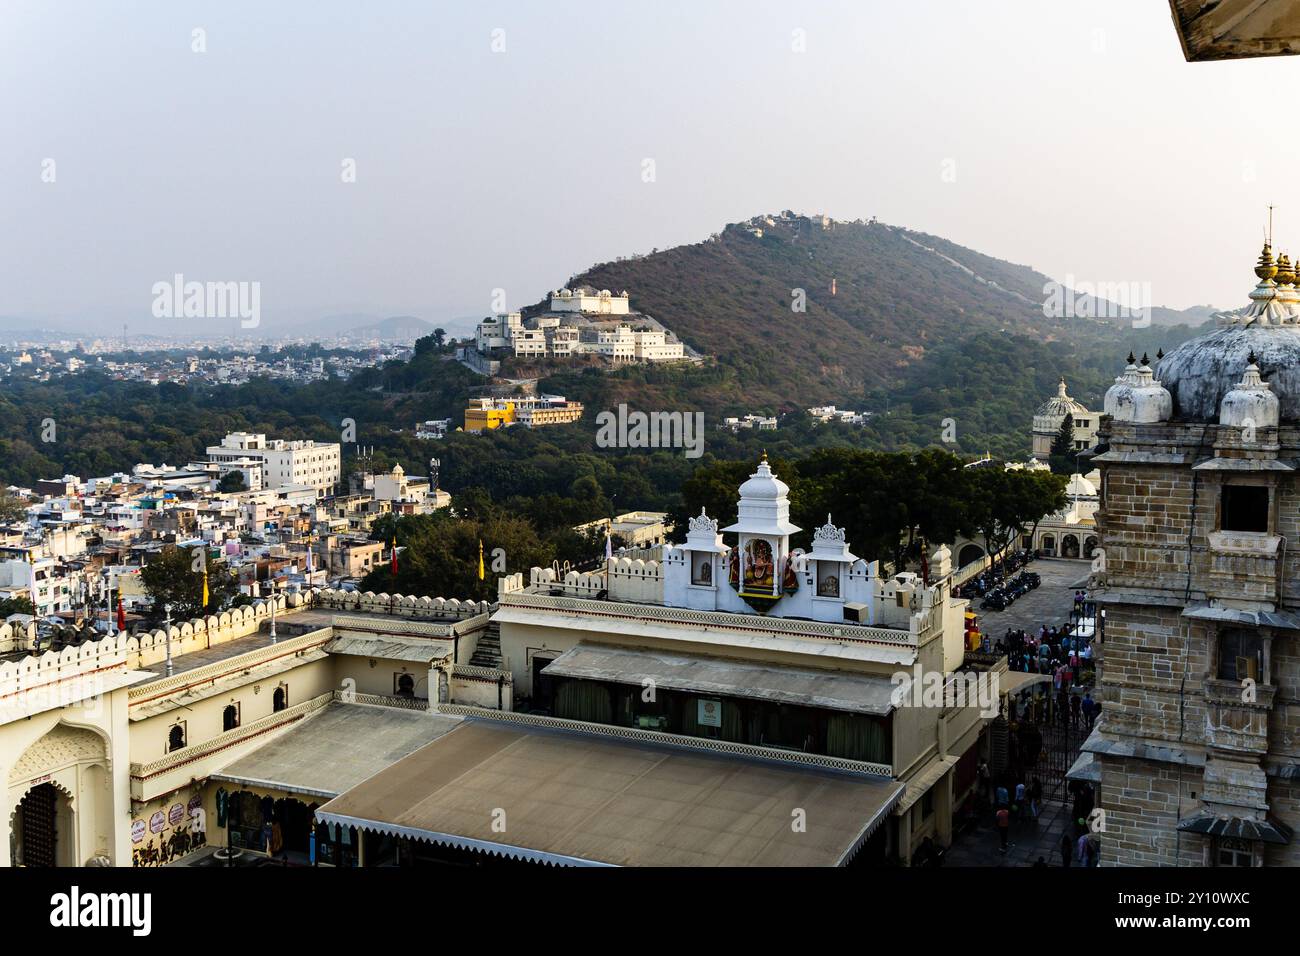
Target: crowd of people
[(1058, 711)]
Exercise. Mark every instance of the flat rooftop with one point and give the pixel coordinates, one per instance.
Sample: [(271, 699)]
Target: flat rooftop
[(337, 748)]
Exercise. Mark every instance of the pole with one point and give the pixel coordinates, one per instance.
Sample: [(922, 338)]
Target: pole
[(167, 623), (272, 610)]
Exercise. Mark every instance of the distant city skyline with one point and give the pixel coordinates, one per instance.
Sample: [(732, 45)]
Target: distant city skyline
[(507, 146)]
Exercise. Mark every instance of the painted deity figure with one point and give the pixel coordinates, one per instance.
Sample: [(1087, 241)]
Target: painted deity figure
[(759, 568)]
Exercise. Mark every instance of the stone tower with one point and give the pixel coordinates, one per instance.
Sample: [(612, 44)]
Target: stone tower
[(1198, 750)]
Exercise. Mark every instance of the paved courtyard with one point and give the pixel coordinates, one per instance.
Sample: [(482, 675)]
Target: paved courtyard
[(1028, 840), (1050, 603)]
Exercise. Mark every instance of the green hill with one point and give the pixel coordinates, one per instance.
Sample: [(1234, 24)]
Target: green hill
[(878, 299)]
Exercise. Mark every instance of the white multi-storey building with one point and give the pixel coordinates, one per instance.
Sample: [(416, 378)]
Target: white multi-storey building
[(587, 299), (618, 345), (652, 346), (315, 464)]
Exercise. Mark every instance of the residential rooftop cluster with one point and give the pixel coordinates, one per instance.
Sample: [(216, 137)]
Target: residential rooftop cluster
[(270, 509), (228, 368)]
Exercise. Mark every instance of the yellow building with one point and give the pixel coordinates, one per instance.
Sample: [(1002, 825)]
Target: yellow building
[(485, 415)]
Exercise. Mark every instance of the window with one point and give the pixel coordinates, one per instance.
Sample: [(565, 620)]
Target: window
[(1230, 852), (230, 717), (403, 685), (176, 737), (1243, 508), (1241, 655), (280, 699)]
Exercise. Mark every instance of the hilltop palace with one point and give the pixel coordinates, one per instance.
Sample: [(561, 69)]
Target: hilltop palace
[(712, 702), (1197, 754), (581, 321)]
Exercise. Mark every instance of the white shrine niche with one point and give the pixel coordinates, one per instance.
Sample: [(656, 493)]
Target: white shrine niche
[(704, 550), (761, 573), (830, 559), (759, 568)]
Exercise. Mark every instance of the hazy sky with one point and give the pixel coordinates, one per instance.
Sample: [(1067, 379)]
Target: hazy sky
[(1083, 144)]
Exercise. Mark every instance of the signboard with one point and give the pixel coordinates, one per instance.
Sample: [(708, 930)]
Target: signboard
[(709, 712), (137, 831), (176, 814), (156, 822)]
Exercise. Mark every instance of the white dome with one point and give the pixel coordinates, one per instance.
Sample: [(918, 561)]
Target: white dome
[(1080, 487), (764, 485), (1251, 403), (1137, 397), (1060, 405), (764, 506)]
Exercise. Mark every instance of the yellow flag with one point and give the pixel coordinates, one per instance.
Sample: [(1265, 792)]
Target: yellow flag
[(480, 559)]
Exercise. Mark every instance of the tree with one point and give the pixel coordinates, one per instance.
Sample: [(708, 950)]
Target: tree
[(232, 481), (12, 508), (172, 579), (16, 605), (1004, 504), (439, 554), (1062, 457)]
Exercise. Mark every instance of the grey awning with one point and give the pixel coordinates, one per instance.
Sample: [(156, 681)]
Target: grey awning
[(1142, 458), (581, 799), (694, 673), (1236, 29), (1086, 769), (417, 650), (1244, 464), (1232, 615), (1237, 828)]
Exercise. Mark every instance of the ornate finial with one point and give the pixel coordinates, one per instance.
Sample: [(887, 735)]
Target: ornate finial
[(1145, 360), (828, 532), (1131, 359), (1160, 353), (1250, 359), (1285, 276), (1266, 268), (764, 458), (704, 523)]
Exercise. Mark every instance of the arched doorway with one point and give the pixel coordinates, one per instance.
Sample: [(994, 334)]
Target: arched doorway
[(60, 800), (969, 554), (1089, 547), (40, 818), (1047, 544), (1069, 546)]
